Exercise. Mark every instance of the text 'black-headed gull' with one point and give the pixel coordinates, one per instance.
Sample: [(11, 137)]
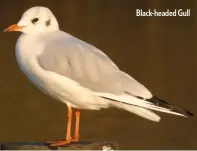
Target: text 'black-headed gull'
[(77, 73)]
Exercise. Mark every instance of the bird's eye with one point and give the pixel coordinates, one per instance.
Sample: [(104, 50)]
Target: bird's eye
[(34, 20)]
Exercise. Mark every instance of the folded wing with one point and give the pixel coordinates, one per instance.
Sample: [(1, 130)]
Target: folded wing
[(88, 66)]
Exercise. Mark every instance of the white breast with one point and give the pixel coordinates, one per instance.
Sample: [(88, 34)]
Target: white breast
[(25, 51)]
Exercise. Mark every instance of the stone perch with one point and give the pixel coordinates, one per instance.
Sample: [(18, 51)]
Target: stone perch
[(106, 146)]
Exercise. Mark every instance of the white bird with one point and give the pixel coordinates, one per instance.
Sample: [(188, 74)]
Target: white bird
[(77, 73)]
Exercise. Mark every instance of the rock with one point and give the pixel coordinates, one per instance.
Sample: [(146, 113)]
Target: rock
[(106, 146)]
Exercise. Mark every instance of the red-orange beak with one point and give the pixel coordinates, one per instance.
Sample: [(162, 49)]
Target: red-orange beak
[(13, 28)]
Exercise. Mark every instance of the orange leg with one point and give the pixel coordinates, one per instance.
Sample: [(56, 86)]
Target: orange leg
[(76, 136), (68, 132), (68, 138)]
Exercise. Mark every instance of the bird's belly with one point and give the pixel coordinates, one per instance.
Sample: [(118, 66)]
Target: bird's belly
[(63, 89)]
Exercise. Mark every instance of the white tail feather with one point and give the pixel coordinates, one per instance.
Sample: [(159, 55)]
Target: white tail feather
[(136, 102), (145, 113)]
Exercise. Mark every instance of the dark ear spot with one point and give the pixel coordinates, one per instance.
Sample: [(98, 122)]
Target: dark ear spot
[(48, 23)]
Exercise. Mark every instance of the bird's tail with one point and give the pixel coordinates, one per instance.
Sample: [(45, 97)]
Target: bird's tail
[(136, 103), (145, 113), (169, 108)]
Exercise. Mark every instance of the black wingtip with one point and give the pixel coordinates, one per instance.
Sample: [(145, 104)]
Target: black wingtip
[(190, 114), (172, 107)]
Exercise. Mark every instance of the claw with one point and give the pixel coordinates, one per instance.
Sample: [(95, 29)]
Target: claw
[(61, 142), (58, 143)]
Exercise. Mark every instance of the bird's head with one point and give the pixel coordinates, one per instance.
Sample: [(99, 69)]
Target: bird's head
[(35, 20)]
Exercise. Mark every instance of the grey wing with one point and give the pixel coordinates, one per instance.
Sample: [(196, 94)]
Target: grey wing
[(88, 66)]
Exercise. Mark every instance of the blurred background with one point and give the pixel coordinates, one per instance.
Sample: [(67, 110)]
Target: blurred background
[(160, 52)]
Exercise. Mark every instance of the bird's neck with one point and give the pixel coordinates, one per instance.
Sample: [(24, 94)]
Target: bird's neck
[(27, 45)]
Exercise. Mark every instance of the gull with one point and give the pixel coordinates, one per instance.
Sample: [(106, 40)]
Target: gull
[(77, 73)]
